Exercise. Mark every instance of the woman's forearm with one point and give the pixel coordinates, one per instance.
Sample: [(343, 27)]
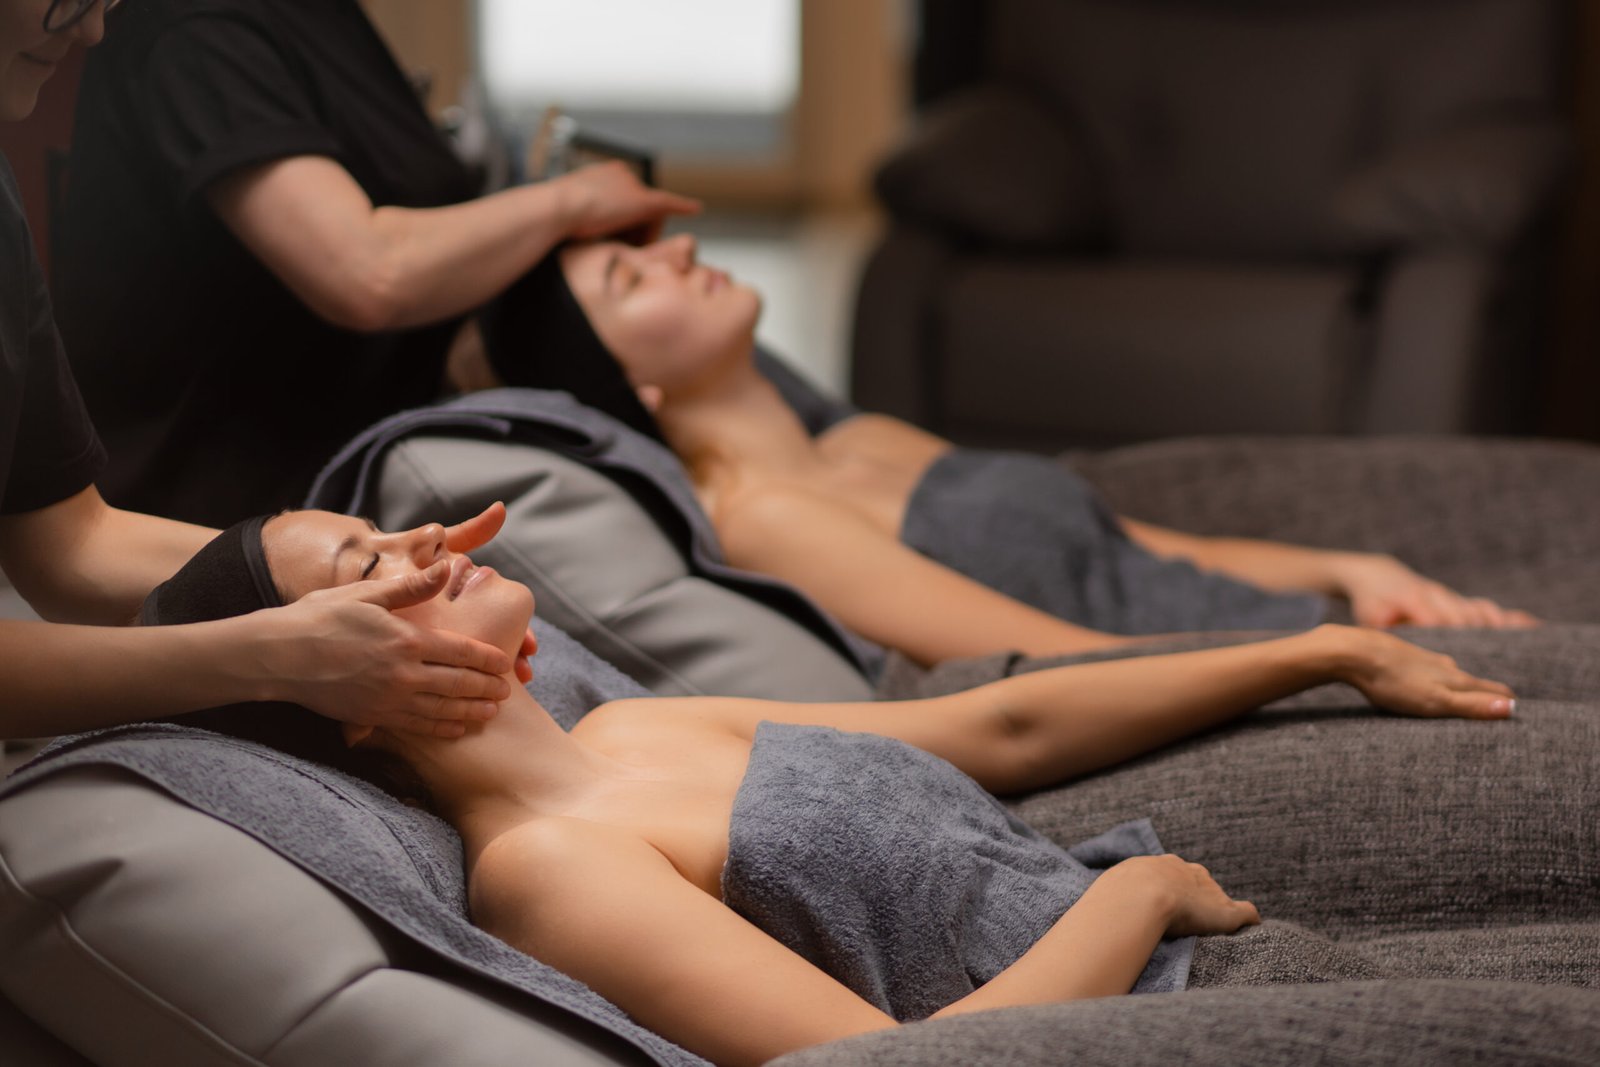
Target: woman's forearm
[(1073, 720), (1097, 949), (1269, 564)]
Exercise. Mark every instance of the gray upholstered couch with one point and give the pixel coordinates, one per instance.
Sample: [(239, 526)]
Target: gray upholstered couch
[(1126, 219), (136, 931)]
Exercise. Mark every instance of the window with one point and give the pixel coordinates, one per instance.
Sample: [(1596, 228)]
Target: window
[(713, 80)]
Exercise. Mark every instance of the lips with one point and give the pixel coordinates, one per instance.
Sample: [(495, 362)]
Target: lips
[(462, 573)]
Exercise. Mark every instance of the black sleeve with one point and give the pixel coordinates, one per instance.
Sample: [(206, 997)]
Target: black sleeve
[(58, 454), (219, 92)]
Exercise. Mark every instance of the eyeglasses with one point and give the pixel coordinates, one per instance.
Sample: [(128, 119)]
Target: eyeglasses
[(65, 14)]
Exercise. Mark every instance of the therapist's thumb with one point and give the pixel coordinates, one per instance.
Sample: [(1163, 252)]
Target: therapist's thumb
[(408, 589)]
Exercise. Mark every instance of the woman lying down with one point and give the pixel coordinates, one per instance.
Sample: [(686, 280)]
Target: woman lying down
[(749, 878)]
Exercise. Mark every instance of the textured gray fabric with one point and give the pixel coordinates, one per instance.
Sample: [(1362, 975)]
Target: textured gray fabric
[(1345, 1024), (1279, 953), (1514, 520), (569, 681), (1325, 812), (1028, 527), (899, 875)]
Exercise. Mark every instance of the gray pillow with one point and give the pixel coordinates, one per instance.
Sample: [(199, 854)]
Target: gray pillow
[(603, 571), (143, 933)]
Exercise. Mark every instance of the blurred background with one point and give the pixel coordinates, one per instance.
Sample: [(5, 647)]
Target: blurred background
[(1086, 222)]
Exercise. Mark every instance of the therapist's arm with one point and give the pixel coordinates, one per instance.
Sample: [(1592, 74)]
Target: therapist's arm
[(369, 268), (83, 561), (340, 652)]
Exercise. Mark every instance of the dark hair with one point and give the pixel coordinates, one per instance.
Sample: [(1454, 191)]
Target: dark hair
[(230, 577), (536, 335)]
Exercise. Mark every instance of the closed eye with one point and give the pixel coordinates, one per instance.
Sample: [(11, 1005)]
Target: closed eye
[(372, 565)]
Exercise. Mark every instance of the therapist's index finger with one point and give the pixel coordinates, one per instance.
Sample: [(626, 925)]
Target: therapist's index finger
[(476, 531)]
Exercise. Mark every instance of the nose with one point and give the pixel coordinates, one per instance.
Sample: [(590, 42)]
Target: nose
[(679, 251), (425, 544), (89, 30)]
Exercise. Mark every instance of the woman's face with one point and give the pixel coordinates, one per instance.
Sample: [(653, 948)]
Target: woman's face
[(311, 550), (664, 316), (29, 55)]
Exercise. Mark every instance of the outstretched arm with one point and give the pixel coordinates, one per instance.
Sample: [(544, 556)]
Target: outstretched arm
[(883, 590), (610, 910), (1381, 590), (1038, 729)]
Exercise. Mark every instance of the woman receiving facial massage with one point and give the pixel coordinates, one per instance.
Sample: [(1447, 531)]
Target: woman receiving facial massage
[(896, 532), (747, 878)]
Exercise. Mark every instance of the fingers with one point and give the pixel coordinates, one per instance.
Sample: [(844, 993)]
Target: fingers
[(673, 204), (405, 591), (530, 647), (476, 531), (1481, 705), (464, 683)]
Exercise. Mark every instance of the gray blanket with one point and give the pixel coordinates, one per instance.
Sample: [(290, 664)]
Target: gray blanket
[(1032, 529), (900, 876)]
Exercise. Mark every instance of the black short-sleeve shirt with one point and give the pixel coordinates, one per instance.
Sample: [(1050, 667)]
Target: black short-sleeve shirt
[(218, 392), (48, 447)]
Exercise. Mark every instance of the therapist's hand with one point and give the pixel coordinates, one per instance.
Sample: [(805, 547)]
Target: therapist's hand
[(342, 653), (608, 198)]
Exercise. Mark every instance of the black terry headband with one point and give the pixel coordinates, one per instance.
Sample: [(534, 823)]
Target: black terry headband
[(227, 578), (537, 336)]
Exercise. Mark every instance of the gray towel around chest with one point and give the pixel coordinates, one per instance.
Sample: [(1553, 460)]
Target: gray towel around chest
[(1030, 528), (899, 875)]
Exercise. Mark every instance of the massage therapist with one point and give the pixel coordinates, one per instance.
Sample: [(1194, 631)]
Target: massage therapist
[(261, 221), (87, 566)]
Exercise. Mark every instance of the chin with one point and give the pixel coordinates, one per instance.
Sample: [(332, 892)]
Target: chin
[(506, 611), (17, 104)]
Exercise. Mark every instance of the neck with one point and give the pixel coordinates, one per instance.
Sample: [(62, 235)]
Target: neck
[(731, 420), (519, 764)]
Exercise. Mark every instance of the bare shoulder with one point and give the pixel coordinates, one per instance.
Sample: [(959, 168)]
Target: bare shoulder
[(651, 723), (540, 867)]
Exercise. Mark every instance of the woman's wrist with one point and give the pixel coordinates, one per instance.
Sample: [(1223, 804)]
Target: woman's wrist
[(1337, 653), (1142, 884)]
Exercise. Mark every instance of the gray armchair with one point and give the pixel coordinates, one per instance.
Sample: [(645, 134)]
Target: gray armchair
[(1145, 218)]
